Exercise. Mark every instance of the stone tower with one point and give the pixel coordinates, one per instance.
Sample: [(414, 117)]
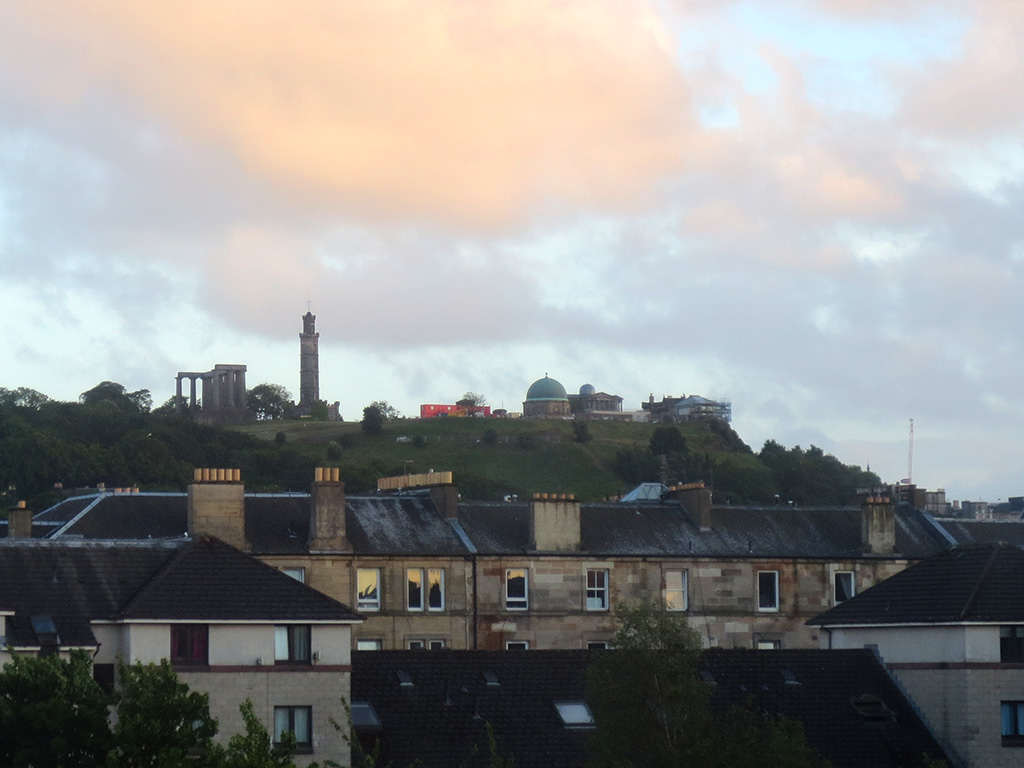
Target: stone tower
[(309, 364)]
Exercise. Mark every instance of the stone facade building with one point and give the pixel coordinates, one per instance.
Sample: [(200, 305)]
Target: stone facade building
[(546, 399), (427, 570)]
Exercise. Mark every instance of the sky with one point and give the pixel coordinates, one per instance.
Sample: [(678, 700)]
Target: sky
[(812, 208)]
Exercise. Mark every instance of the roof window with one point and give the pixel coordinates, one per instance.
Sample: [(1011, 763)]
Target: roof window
[(872, 708), (364, 716), (404, 678), (575, 714), (491, 678)]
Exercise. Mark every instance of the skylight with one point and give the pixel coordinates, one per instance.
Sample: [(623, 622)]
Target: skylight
[(491, 678), (404, 678), (364, 716), (575, 714)]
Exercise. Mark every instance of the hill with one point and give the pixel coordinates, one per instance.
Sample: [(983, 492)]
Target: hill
[(112, 437)]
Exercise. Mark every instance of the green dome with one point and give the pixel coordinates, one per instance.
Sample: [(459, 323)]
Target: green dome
[(546, 389)]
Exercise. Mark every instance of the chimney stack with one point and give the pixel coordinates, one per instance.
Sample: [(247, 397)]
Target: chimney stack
[(554, 523), (878, 526), (327, 512), (216, 506), (446, 500), (19, 522), (696, 500)]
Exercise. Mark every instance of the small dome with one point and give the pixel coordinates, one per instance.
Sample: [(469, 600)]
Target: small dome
[(588, 389), (546, 389)]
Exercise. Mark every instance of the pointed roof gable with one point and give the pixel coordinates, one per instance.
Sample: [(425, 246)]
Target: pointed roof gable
[(207, 580), (966, 584)]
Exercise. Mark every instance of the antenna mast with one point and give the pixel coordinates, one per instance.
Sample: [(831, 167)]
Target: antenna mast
[(910, 455)]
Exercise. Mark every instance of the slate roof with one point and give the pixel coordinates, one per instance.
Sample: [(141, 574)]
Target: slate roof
[(821, 697), (76, 582), (984, 531), (969, 583), (667, 529), (207, 580), (443, 713)]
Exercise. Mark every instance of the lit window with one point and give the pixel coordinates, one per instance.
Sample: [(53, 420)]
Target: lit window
[(843, 586), (1012, 713), (368, 589), (767, 645), (676, 591), (291, 644), (517, 645), (1011, 643), (597, 589), (368, 645), (299, 574), (297, 721), (414, 591), (189, 643), (767, 590), (435, 589), (575, 714), (516, 589)]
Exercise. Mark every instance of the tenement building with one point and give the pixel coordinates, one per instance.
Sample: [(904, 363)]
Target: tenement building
[(426, 570)]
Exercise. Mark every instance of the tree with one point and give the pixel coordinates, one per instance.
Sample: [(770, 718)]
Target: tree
[(387, 411), (254, 748), (111, 393), (269, 401), (651, 707), (373, 420), (160, 722), (471, 400), (581, 432), (52, 713), (668, 440)]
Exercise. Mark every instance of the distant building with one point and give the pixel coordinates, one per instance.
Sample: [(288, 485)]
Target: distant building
[(546, 399), (309, 364), (592, 404), (219, 397), (683, 408), (430, 411)]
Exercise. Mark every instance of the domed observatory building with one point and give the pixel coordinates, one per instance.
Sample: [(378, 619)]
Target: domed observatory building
[(546, 399)]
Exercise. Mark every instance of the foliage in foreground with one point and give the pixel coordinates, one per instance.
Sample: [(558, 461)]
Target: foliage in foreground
[(651, 708)]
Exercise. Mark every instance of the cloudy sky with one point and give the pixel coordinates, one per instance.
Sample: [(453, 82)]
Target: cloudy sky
[(811, 207)]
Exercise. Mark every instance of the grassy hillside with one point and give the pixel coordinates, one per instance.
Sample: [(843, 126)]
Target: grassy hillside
[(521, 456)]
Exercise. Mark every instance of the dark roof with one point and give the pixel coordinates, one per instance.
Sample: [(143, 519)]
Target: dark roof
[(207, 580), (76, 582), (72, 583), (984, 531), (821, 695), (969, 583), (442, 714), (441, 717), (667, 529), (400, 525)]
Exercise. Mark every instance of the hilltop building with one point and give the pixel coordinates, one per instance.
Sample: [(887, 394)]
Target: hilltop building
[(221, 399), (591, 404), (683, 408), (309, 365), (546, 399)]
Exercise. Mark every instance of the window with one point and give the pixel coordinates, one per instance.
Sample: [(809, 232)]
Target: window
[(517, 645), (767, 645), (368, 589), (676, 591), (597, 645), (1011, 643), (1013, 723), (427, 645), (429, 594), (368, 645), (46, 634), (842, 586), (299, 574), (575, 714), (597, 589), (767, 590), (103, 674), (189, 643), (414, 578), (295, 720), (291, 644), (516, 598)]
